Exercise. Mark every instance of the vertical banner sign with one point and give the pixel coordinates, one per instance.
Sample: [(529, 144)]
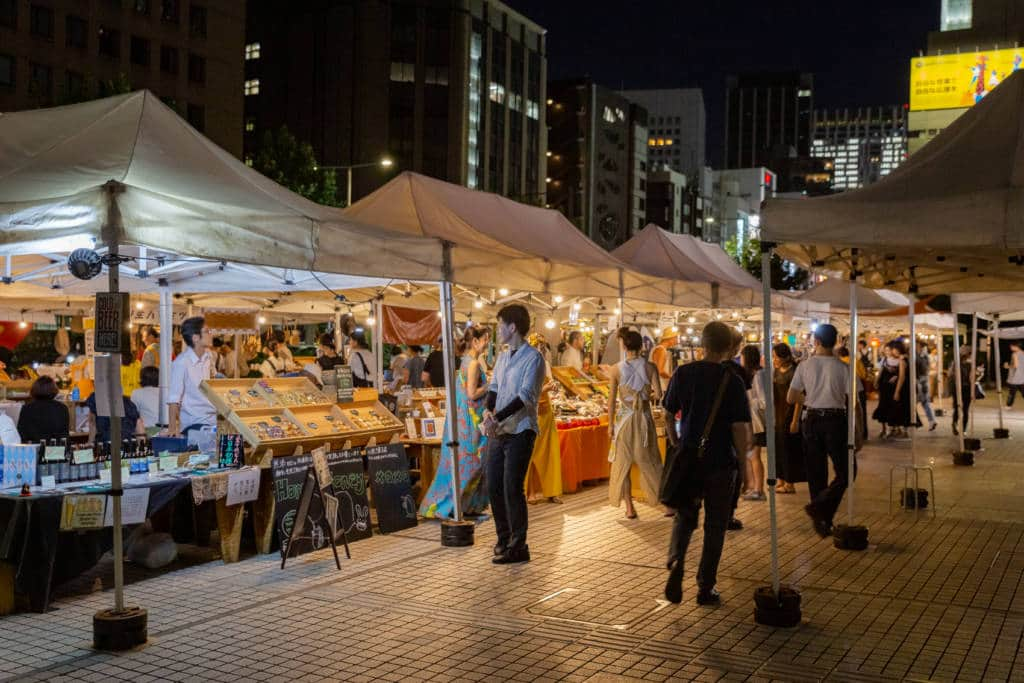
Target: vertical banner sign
[(112, 316), (392, 487)]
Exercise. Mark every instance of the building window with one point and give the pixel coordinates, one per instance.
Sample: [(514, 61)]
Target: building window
[(497, 93), (41, 21), (170, 10), (250, 125), (110, 43), (197, 20), (7, 71), (140, 51), (252, 86), (196, 68), (141, 6), (169, 59), (533, 110), (252, 51), (196, 116), (248, 160), (76, 32), (9, 13), (40, 81), (74, 86), (402, 72)]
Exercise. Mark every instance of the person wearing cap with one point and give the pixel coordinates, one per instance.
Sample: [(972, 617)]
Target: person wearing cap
[(821, 384)]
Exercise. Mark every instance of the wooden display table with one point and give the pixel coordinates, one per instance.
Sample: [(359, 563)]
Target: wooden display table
[(423, 451)]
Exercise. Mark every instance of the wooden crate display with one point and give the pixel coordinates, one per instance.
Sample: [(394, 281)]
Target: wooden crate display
[(292, 392), (574, 381), (371, 416), (229, 395), (267, 425), (324, 421)]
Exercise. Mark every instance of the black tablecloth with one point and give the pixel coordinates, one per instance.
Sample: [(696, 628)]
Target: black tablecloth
[(43, 555)]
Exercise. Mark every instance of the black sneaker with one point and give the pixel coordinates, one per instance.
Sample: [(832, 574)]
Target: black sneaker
[(513, 556), (821, 526), (734, 525), (709, 596), (674, 584), (499, 549)]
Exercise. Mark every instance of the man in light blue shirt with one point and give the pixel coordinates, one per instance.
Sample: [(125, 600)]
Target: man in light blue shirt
[(510, 422)]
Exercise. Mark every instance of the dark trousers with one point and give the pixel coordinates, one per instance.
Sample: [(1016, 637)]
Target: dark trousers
[(717, 490), (508, 459), (967, 396), (825, 439), (1013, 389)]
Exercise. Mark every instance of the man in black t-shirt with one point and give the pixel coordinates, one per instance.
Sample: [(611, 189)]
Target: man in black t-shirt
[(691, 391), (433, 369)]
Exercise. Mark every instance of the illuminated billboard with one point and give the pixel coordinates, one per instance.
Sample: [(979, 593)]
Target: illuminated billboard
[(959, 80)]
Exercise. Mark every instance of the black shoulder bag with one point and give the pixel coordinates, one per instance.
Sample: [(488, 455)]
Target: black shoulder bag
[(365, 380), (680, 480)]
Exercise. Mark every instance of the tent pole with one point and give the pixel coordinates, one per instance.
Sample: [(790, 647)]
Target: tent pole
[(853, 403), (912, 371), (595, 347), (769, 410), (378, 343), (974, 364), (451, 433), (940, 376), (166, 317), (337, 332), (994, 339), (958, 419)]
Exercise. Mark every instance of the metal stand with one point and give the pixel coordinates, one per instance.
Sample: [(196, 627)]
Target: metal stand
[(915, 471), (913, 466)]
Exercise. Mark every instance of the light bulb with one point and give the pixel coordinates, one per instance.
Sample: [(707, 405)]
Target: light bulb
[(718, 316), (371, 321), (70, 358), (503, 292), (130, 325), (138, 305), (261, 320), (576, 307), (439, 315), (478, 304), (691, 319), (739, 326), (689, 330), (549, 323), (674, 329), (657, 332), (735, 315), (618, 311), (23, 324), (558, 298)]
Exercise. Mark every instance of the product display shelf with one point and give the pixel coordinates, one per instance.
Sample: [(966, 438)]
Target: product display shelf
[(228, 395), (290, 392), (579, 383)]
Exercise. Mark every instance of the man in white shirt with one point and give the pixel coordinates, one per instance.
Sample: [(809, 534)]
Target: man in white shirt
[(822, 383), (187, 406), (573, 354)]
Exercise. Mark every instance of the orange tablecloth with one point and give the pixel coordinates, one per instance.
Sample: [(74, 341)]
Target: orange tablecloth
[(584, 455)]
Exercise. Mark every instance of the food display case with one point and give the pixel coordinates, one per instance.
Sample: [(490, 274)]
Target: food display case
[(581, 384), (287, 412)]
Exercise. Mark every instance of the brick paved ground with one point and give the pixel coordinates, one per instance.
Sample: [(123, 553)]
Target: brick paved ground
[(932, 599)]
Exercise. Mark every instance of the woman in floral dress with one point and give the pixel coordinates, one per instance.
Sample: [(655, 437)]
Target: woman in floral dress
[(470, 390)]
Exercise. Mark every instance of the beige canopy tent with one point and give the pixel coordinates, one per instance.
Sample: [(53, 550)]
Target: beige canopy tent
[(499, 243), (948, 220), (133, 165)]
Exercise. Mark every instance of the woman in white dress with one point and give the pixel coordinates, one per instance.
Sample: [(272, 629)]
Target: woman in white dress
[(635, 383)]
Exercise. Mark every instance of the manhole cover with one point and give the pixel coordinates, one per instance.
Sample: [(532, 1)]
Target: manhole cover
[(599, 609)]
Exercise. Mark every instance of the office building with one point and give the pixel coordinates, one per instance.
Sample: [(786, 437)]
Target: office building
[(738, 196), (677, 127), (453, 89), (597, 160), (190, 54), (767, 116), (666, 199), (974, 49), (864, 144)]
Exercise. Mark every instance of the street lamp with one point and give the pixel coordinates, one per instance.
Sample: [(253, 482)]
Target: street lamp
[(384, 162)]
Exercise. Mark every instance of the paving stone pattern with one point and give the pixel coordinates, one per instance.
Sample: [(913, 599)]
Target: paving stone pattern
[(932, 599)]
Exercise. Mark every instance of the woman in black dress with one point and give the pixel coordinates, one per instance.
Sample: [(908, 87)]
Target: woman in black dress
[(888, 374), (899, 409)]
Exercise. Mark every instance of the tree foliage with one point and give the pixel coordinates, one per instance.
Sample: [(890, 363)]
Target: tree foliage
[(287, 161), (785, 275)]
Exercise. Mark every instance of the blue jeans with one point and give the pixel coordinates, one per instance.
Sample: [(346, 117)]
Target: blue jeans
[(508, 460), (925, 399)]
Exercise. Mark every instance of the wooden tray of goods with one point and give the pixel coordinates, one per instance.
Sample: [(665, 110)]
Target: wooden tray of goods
[(577, 383)]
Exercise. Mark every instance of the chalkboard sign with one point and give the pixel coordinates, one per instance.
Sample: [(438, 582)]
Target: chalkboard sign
[(112, 316), (231, 451), (350, 488), (392, 487), (346, 468), (343, 377)]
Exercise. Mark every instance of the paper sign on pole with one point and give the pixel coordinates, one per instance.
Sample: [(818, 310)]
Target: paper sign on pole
[(134, 505), (108, 392)]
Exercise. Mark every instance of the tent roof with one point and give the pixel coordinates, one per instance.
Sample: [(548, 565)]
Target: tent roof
[(178, 191), (836, 293), (498, 242), (951, 212)]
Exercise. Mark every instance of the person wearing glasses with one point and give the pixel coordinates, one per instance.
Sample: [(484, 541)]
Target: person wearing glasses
[(187, 406)]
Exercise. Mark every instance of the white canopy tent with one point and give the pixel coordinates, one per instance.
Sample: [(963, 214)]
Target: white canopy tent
[(499, 243)]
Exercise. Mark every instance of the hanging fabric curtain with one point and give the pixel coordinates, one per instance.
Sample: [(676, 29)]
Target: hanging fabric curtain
[(410, 326)]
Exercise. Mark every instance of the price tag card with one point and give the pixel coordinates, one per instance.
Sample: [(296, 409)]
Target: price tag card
[(82, 456), (54, 454), (105, 476), (243, 485), (48, 482), (410, 427), (168, 462)]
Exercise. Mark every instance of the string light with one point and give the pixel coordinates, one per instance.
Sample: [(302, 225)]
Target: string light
[(692, 319), (138, 305), (549, 323), (674, 329), (503, 292), (618, 311), (576, 307), (261, 320), (689, 330), (371, 321), (478, 304), (558, 298)]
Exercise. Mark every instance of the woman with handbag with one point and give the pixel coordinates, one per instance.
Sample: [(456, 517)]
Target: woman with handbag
[(634, 437)]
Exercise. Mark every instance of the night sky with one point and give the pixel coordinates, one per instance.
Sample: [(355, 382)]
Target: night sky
[(859, 51)]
